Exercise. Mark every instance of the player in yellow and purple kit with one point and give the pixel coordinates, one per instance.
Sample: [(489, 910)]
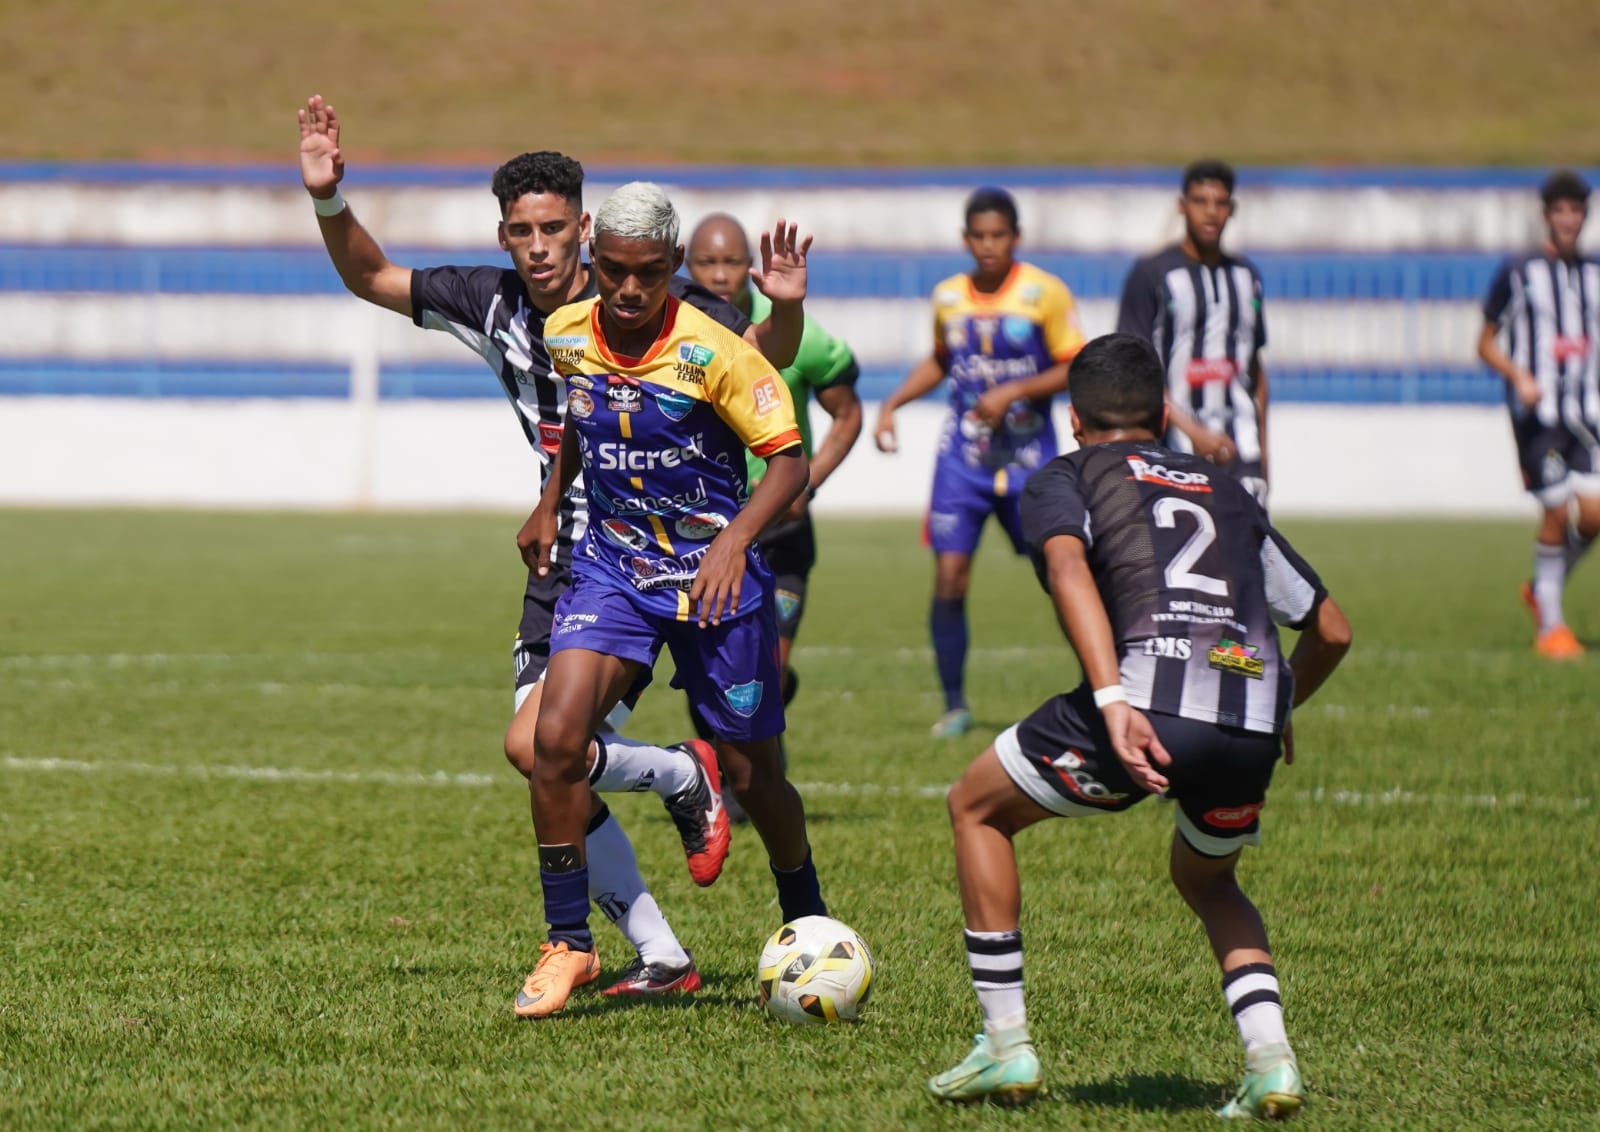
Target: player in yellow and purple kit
[(1003, 333), (662, 403)]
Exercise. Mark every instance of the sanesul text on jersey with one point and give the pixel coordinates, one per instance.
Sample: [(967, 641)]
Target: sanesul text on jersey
[(1193, 576), (663, 441), (988, 339)]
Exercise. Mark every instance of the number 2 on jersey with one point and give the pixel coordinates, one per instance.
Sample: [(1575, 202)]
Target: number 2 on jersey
[(1180, 574)]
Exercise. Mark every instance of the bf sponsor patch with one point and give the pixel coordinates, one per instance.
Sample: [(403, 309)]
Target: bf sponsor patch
[(766, 395)]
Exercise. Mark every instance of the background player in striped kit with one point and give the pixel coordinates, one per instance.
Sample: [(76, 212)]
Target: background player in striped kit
[(499, 313), (1548, 305), (1202, 309), (719, 260), (1169, 580), (1003, 333)]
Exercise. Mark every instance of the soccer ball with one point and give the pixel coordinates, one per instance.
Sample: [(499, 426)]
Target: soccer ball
[(815, 970)]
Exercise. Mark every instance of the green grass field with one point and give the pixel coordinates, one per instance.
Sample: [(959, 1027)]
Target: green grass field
[(262, 863), (826, 82)]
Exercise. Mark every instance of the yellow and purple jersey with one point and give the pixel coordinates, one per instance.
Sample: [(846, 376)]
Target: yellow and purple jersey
[(987, 339), (663, 439)]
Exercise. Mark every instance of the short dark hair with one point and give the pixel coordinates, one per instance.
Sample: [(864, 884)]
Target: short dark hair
[(1208, 169), (991, 199), (543, 172), (1564, 184), (1117, 381)]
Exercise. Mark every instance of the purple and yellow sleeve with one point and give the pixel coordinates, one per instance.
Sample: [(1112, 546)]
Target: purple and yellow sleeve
[(755, 402), (1063, 336)]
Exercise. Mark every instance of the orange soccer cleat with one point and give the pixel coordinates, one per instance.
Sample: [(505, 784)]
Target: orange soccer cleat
[(560, 971), (1558, 644)]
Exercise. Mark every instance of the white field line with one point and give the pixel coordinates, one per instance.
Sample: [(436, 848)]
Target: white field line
[(1319, 796)]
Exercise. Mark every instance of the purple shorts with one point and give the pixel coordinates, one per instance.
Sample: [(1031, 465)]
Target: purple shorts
[(964, 498), (729, 671)]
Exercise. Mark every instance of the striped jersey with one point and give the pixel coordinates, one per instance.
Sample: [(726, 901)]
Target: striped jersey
[(985, 339), (1549, 310), (1193, 576), (487, 309), (663, 440), (1207, 325)]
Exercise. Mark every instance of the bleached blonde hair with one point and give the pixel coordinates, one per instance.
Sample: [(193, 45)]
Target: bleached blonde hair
[(638, 210)]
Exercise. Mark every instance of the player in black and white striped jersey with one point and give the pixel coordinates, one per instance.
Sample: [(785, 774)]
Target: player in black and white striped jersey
[(1201, 307), (499, 313), (1547, 304), (1169, 580)]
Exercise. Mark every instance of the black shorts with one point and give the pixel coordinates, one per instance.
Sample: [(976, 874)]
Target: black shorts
[(1557, 463), (1061, 758), (791, 551), (530, 655)]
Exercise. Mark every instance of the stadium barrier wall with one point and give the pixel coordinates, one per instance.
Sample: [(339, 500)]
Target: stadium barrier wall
[(1327, 460)]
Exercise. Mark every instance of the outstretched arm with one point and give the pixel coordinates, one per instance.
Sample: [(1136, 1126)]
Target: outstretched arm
[(923, 379), (360, 262), (1088, 627), (782, 279)]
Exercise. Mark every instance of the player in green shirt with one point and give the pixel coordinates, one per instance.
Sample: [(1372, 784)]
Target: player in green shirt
[(719, 260)]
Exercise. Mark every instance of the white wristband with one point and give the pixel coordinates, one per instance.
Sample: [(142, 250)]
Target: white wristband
[(1110, 694), (333, 206)]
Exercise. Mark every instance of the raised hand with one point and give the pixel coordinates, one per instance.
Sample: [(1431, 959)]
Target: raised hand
[(321, 163), (782, 274)]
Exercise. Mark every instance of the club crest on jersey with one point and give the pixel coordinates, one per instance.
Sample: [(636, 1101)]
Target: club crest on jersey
[(623, 535), (623, 394), (1238, 658), (1018, 330), (698, 528), (1031, 293), (674, 405), (579, 403), (1146, 472), (744, 698)]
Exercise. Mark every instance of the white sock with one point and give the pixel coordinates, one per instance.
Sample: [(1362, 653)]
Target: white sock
[(619, 892), (1252, 994), (623, 764), (1549, 579), (996, 962)]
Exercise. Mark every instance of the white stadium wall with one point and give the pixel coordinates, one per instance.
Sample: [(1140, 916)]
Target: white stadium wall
[(89, 306)]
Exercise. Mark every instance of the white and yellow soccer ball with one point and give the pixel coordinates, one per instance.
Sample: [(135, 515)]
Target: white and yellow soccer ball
[(814, 970)]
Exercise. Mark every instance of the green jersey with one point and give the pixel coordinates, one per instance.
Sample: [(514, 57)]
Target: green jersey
[(821, 362)]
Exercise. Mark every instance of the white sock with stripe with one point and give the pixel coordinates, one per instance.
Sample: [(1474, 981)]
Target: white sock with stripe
[(617, 889), (1252, 994), (996, 962), (622, 764)]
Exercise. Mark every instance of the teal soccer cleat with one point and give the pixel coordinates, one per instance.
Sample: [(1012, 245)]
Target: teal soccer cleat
[(952, 724), (1008, 1078), (1272, 1088)]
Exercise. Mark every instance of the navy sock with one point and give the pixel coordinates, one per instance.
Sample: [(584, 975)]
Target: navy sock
[(565, 882), (947, 623), (799, 891)]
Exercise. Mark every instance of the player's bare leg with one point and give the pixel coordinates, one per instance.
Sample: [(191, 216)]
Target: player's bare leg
[(615, 884), (986, 812), (580, 687), (1272, 1085), (947, 625), (754, 770)]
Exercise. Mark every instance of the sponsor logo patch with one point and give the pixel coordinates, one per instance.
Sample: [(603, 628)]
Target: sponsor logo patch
[(698, 528), (567, 341), (1175, 648), (1204, 371), (1085, 787), (766, 395), (695, 354), (1233, 817), (617, 456), (744, 698), (1569, 347), (1236, 657), (1146, 472), (550, 438), (580, 381), (579, 403), (623, 535), (623, 394), (674, 405), (788, 604)]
